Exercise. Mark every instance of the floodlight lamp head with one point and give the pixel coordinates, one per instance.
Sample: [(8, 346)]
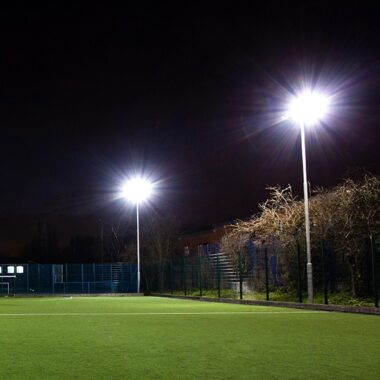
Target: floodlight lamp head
[(137, 190), (308, 108)]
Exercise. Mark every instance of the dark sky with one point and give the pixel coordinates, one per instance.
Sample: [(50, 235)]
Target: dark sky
[(187, 92)]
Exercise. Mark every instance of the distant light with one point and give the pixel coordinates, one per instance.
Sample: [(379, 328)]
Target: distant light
[(308, 107), (137, 190)]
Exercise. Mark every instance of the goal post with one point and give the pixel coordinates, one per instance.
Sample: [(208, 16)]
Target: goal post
[(5, 283)]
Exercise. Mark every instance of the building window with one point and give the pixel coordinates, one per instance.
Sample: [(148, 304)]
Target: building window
[(11, 269), (19, 269)]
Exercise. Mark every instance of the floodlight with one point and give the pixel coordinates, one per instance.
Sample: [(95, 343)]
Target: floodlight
[(137, 190), (308, 107)]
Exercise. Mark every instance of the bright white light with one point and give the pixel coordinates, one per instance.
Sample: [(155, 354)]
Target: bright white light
[(308, 108), (137, 190)]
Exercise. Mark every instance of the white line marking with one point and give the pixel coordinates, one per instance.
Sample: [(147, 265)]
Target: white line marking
[(52, 299), (162, 313)]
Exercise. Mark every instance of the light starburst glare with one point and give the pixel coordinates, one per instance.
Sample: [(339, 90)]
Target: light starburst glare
[(308, 107), (137, 190)]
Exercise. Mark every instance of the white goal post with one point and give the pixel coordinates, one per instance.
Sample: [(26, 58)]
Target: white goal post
[(5, 283)]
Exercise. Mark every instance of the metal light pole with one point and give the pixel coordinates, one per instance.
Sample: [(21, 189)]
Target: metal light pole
[(138, 248), (307, 108), (137, 190), (309, 267)]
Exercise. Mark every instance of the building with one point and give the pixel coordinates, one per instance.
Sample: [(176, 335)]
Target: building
[(204, 241)]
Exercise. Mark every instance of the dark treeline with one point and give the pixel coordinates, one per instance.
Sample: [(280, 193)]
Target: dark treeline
[(158, 239)]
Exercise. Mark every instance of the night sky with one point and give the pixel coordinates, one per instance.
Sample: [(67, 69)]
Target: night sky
[(188, 93)]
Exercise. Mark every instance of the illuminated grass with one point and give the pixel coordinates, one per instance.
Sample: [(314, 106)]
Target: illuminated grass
[(156, 338)]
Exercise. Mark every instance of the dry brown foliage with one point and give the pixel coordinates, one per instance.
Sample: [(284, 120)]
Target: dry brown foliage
[(345, 216)]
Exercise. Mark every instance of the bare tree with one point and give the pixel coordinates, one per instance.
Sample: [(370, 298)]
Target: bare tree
[(159, 244), (345, 216)]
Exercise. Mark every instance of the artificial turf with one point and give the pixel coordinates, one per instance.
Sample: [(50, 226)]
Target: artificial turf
[(158, 338)]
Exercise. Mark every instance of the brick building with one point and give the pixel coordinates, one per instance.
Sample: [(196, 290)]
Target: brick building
[(203, 242)]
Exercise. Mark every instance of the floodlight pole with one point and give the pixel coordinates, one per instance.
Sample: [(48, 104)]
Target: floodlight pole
[(307, 219), (138, 248)]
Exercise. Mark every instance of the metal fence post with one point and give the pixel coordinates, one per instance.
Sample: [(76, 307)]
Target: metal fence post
[(200, 277), (368, 274), (159, 266), (240, 277), (256, 264), (130, 277), (184, 276), (299, 278), (27, 278), (374, 272), (82, 276), (111, 279), (218, 273), (39, 277), (171, 276), (324, 272), (266, 273), (52, 278)]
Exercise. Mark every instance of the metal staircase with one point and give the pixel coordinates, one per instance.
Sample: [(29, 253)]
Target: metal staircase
[(227, 271)]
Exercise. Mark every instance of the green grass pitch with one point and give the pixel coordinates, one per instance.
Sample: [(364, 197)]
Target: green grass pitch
[(158, 338)]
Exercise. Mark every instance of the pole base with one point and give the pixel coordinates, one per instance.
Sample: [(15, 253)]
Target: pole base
[(309, 271)]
